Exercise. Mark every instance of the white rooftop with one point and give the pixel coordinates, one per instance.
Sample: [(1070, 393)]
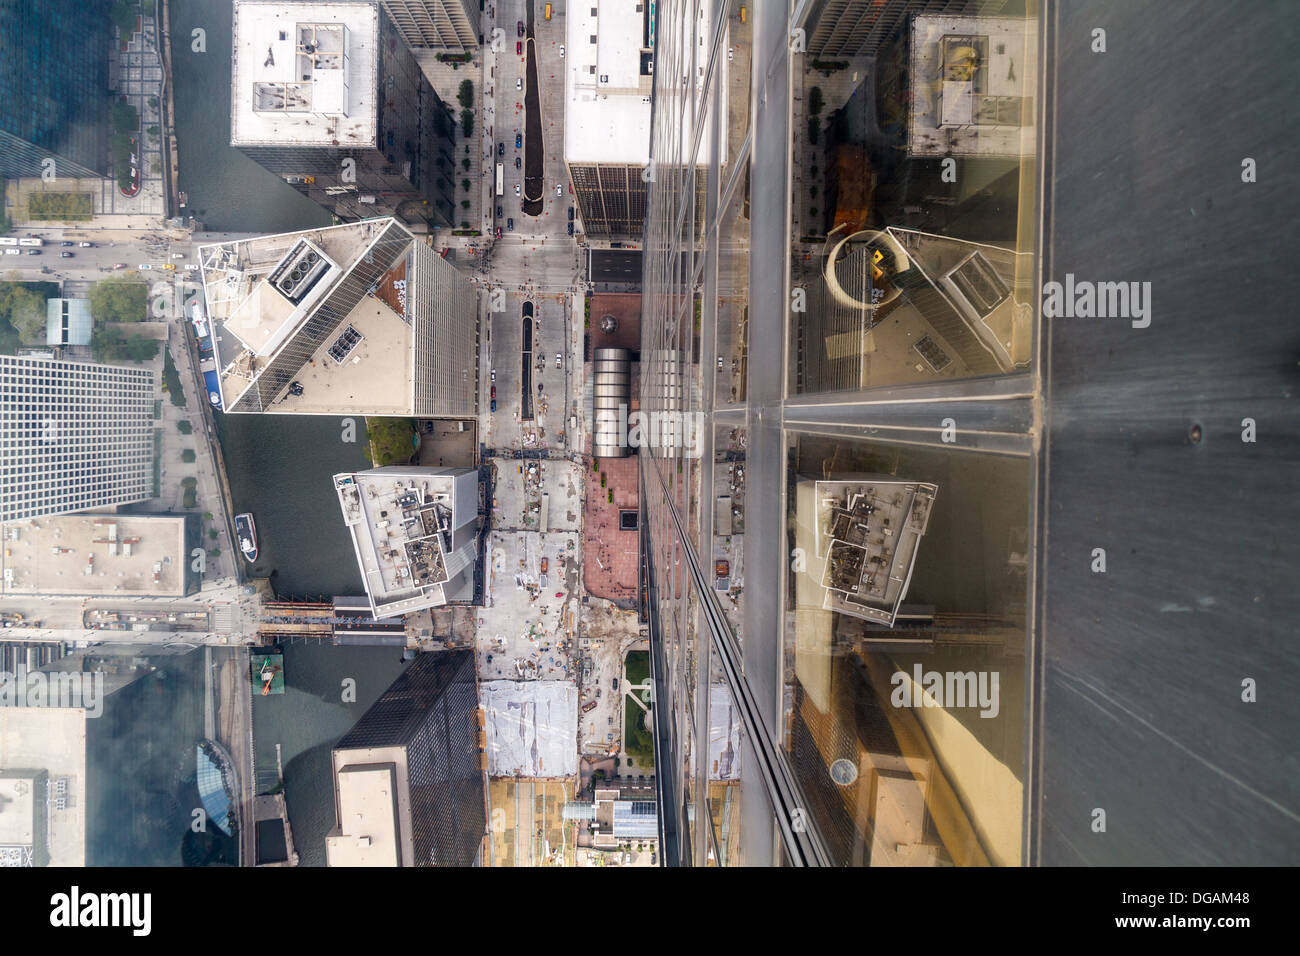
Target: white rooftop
[(304, 73), (367, 831), (607, 112)]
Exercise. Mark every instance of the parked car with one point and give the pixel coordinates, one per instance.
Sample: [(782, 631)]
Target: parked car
[(494, 391), (731, 53), (570, 227), (518, 162), (520, 27), (519, 140), (516, 189), (510, 223), (66, 255), (500, 212), (559, 189), (615, 683), (719, 363), (557, 359), (493, 405), (519, 82), (519, 47), (561, 51), (86, 245), (570, 212), (494, 376)]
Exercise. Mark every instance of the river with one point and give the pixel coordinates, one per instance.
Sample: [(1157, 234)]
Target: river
[(279, 466)]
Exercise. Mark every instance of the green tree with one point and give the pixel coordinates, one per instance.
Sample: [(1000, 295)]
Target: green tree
[(465, 97), (23, 308), (467, 123), (118, 300)]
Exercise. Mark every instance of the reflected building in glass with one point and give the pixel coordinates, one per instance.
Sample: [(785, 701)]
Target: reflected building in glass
[(837, 582), (54, 96)]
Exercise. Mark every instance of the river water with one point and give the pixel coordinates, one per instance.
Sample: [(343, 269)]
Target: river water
[(280, 467)]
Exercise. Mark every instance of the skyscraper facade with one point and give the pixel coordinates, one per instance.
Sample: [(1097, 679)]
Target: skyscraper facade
[(409, 785), (54, 98), (73, 436), (858, 332)]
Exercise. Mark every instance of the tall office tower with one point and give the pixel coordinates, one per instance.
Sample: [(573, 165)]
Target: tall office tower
[(360, 319), (408, 778), (609, 72), (329, 96), (825, 538), (863, 321), (415, 532), (445, 25), (54, 98), (73, 436)]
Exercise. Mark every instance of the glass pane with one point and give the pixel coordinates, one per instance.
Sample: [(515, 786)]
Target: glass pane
[(905, 694), (912, 197)]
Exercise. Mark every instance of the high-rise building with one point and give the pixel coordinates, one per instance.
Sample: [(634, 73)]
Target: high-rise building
[(357, 319), (865, 304), (54, 97), (822, 539), (608, 75), (330, 97), (408, 777), (73, 436), (415, 533), (444, 25)]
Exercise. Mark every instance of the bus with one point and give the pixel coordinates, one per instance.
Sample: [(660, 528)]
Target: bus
[(8, 240), (31, 242), (501, 179)]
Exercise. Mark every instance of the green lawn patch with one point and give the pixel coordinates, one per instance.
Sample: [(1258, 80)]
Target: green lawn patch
[(68, 207), (187, 456), (392, 440), (638, 742), (183, 426)]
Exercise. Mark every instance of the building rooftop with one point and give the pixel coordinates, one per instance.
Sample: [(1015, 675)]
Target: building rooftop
[(867, 532), (145, 555), (607, 97), (607, 83), (406, 531), (260, 295), (367, 833), (67, 322), (304, 74), (973, 80), (51, 740)]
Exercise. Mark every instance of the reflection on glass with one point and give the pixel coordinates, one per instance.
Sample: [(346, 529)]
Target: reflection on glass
[(912, 199), (904, 704)]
